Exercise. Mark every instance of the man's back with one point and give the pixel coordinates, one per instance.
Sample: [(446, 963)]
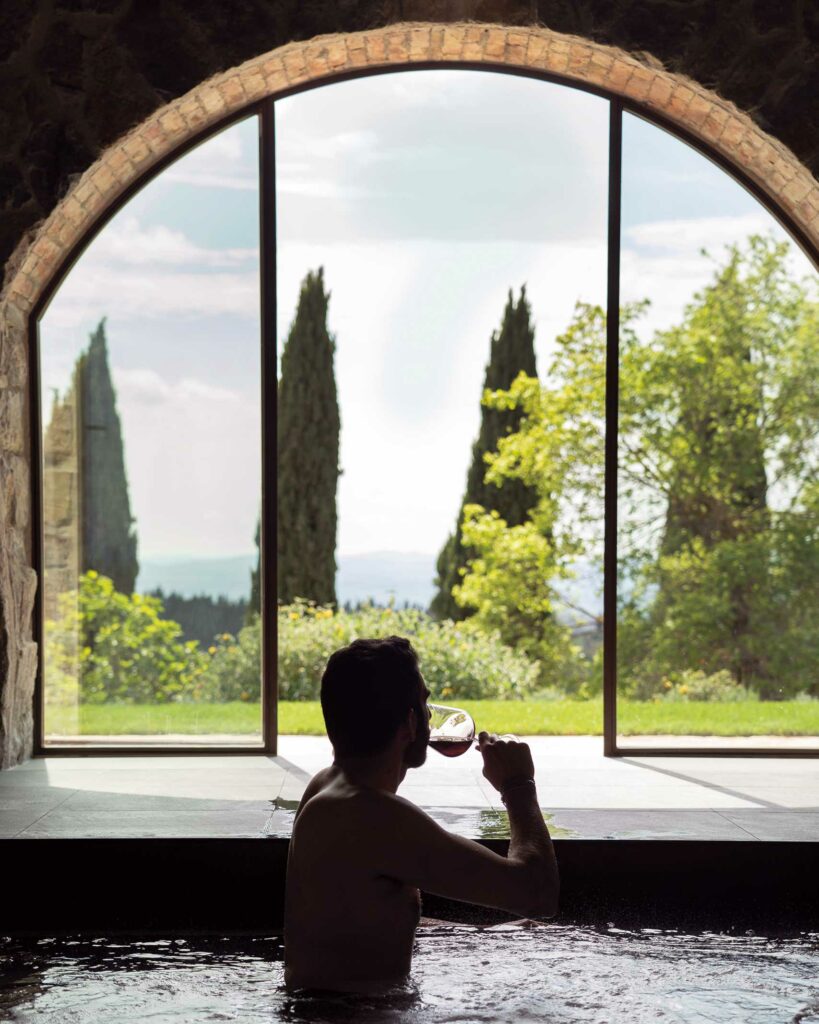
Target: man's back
[(348, 927)]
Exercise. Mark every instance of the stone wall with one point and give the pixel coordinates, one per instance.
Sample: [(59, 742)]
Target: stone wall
[(77, 75), (61, 501)]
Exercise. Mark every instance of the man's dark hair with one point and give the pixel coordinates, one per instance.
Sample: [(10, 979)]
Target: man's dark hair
[(366, 692)]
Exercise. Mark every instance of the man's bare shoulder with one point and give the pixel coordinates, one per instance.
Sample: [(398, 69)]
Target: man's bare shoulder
[(333, 795), (383, 816), (368, 800), (327, 790)]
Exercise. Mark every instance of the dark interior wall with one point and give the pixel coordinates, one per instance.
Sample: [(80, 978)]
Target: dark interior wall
[(76, 74)]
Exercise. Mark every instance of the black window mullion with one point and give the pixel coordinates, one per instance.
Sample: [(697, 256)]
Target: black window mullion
[(612, 400), (267, 540)]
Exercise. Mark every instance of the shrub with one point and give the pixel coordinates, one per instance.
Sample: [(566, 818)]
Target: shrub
[(235, 670), (458, 660), (695, 685), (60, 658), (119, 648), (504, 586), (691, 685)]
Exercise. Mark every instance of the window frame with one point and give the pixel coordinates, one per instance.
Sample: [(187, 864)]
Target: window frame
[(264, 109)]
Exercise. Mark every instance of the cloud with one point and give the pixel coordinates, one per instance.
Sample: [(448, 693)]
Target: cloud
[(288, 183), (227, 160), (125, 241), (441, 155), (155, 271), (687, 236), (193, 453), (360, 144), (147, 387), (154, 294), (206, 179)]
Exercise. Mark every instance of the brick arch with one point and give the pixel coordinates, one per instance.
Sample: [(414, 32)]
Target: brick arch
[(39, 260), (674, 99)]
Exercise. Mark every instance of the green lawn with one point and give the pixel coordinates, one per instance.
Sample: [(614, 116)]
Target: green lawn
[(524, 718)]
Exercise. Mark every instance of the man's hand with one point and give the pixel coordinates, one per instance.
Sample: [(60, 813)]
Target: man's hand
[(504, 760)]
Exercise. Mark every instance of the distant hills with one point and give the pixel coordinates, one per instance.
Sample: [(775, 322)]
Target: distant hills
[(227, 577), (378, 576), (382, 575)]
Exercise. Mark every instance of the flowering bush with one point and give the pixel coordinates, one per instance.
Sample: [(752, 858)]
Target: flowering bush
[(690, 685), (697, 686), (235, 670)]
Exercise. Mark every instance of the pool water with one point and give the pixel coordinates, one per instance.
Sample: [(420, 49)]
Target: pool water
[(508, 973)]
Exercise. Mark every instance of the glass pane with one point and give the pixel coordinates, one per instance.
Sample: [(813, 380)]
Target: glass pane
[(152, 463), (717, 545), (428, 199)]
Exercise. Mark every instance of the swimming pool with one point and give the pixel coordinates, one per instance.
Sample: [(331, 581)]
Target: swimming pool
[(508, 973)]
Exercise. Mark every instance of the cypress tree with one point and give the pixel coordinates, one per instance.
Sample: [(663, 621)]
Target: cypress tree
[(512, 351), (109, 542), (308, 449), (254, 604)]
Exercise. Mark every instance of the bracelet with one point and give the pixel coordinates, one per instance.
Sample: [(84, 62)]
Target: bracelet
[(516, 783)]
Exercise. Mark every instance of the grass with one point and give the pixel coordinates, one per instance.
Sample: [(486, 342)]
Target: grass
[(234, 717), (524, 718)]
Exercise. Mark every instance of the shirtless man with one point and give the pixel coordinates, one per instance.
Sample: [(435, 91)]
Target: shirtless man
[(359, 853)]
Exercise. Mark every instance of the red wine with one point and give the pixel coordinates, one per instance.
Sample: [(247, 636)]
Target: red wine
[(450, 748)]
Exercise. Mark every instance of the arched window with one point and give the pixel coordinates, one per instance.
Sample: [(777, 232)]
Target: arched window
[(654, 539), (151, 427)]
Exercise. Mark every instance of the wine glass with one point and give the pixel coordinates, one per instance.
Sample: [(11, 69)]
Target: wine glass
[(451, 730)]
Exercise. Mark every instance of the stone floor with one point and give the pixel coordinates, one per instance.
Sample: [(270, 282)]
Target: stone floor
[(583, 794)]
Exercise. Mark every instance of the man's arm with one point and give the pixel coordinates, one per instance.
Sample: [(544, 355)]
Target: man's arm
[(531, 847), (530, 842), (410, 847)]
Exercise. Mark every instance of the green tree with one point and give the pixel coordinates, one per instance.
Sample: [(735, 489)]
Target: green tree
[(308, 451), (718, 528), (203, 616), (512, 351), (557, 452), (724, 420)]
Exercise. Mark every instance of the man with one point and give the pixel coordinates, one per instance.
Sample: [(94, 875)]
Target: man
[(359, 853)]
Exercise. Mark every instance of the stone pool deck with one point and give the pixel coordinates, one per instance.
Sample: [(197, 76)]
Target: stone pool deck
[(164, 845), (584, 794)]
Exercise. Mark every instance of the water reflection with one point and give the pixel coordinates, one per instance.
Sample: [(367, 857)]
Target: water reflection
[(559, 973), (333, 1006), (472, 822)]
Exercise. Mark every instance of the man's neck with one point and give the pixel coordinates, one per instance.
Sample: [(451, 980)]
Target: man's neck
[(382, 771)]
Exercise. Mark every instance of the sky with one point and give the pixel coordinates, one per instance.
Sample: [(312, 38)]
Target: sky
[(426, 196)]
